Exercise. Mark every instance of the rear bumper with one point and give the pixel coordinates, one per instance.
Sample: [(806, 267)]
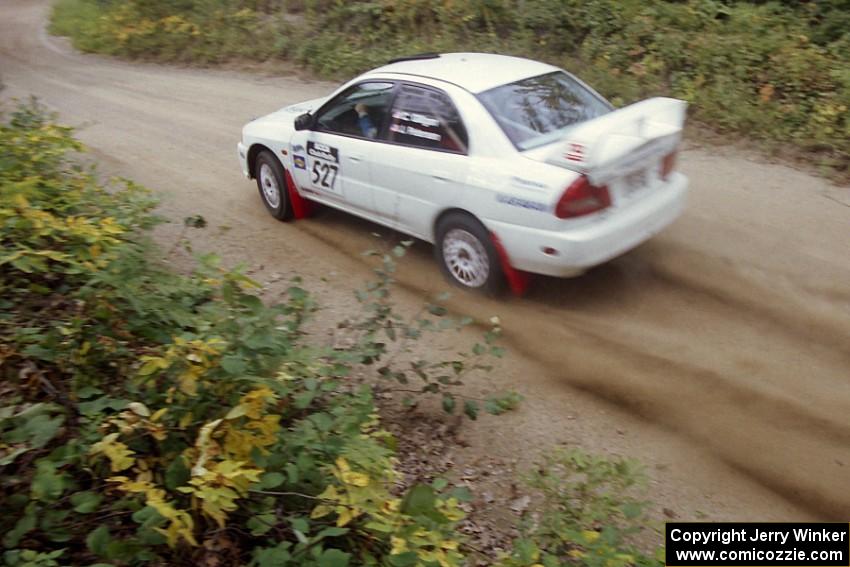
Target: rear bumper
[(613, 234), (242, 155)]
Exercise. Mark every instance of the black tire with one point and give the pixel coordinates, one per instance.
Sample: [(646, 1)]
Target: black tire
[(271, 181), (466, 254)]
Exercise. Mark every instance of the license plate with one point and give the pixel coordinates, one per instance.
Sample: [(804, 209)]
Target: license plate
[(635, 181)]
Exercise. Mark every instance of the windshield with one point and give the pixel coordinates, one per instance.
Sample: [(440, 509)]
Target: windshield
[(537, 111)]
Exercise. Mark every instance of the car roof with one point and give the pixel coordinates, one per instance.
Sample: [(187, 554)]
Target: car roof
[(475, 72)]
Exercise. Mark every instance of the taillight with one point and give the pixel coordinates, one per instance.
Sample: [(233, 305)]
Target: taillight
[(582, 198), (667, 165)]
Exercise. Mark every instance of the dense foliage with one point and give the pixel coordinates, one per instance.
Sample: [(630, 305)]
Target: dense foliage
[(775, 71), (148, 417), (587, 514)]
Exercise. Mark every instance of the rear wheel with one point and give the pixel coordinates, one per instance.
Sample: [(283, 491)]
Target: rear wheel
[(271, 182), (466, 254)]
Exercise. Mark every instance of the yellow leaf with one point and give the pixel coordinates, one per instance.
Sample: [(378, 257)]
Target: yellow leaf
[(391, 506), (139, 408), (119, 455), (186, 420), (320, 511), (205, 446), (399, 545), (344, 517), (237, 411), (342, 465), (355, 479), (329, 493), (188, 381), (590, 536), (152, 364)]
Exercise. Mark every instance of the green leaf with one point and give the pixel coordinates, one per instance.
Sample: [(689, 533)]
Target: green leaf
[(407, 559), (48, 484), (334, 558), (10, 458), (273, 556), (147, 517), (300, 524), (234, 365), (470, 408), (460, 493), (419, 501), (253, 303), (439, 484), (448, 403), (304, 399), (98, 405), (261, 523), (322, 421), (98, 539), (38, 428), (502, 403), (332, 532), (177, 474), (271, 480), (85, 502), (292, 473), (376, 526), (436, 310), (88, 392), (22, 526), (632, 510)]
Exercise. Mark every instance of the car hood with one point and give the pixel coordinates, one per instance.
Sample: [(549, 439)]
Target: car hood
[(281, 120), (288, 113)]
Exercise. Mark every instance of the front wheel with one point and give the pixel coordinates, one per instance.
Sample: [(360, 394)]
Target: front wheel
[(271, 182), (466, 254)]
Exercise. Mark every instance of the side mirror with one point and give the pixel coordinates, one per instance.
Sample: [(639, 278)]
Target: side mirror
[(304, 121)]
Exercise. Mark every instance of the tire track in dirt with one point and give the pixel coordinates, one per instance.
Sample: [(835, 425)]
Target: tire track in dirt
[(675, 392)]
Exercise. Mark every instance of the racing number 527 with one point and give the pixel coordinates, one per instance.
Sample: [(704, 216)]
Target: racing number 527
[(324, 174)]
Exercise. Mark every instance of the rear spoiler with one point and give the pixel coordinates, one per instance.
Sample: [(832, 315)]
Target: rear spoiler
[(616, 143)]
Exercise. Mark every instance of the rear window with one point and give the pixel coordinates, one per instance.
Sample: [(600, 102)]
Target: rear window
[(539, 110), (426, 118)]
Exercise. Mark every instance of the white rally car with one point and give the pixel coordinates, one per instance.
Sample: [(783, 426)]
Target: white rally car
[(508, 166)]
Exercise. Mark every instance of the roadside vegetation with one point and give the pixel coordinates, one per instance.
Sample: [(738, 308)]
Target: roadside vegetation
[(155, 418), (773, 72)]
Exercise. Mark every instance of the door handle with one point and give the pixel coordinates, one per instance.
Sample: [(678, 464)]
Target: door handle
[(440, 178), (355, 159)]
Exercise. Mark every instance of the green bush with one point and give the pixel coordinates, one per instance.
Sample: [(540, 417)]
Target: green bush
[(148, 417), (587, 515), (199, 31)]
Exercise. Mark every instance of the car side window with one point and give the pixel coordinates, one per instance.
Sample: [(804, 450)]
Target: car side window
[(359, 111), (426, 118)]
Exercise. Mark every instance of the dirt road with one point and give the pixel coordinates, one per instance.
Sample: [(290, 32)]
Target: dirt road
[(718, 353)]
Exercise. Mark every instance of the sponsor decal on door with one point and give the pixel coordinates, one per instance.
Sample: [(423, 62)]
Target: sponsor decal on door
[(323, 162)]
